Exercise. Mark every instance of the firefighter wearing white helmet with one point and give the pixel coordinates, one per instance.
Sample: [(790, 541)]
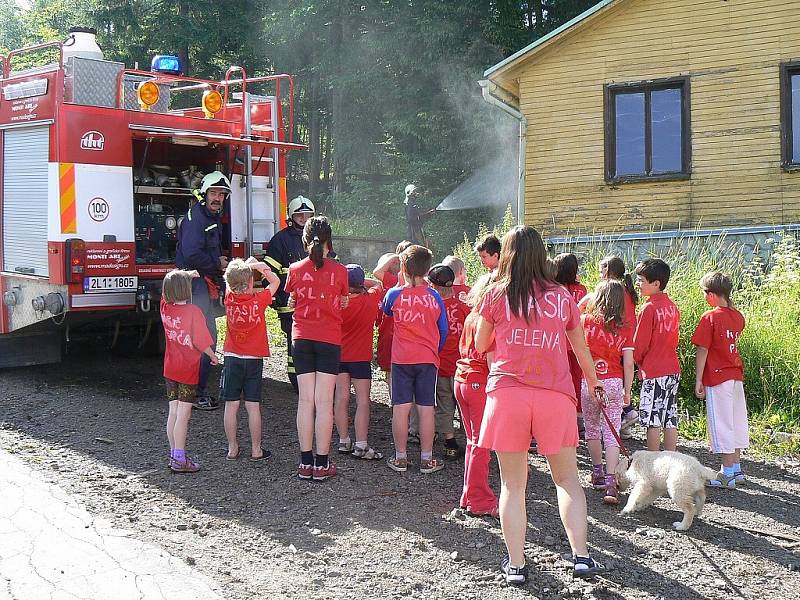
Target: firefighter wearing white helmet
[(284, 248), (415, 216), (200, 249)]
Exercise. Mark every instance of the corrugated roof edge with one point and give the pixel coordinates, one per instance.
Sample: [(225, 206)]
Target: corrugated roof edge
[(546, 38)]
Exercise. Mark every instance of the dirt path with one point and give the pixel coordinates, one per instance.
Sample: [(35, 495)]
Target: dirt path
[(94, 425)]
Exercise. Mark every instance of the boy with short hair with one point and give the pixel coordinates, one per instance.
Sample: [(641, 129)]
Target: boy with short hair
[(441, 278), (246, 345), (460, 287), (655, 350), (420, 330), (488, 250), (719, 377)]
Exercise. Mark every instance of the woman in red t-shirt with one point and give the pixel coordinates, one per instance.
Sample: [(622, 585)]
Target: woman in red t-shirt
[(533, 320), (472, 371), (318, 289)]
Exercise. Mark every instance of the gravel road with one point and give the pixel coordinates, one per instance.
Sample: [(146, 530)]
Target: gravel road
[(94, 425)]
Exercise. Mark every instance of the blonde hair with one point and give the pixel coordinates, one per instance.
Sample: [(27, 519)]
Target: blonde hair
[(478, 291), (608, 304), (454, 263), (238, 276), (177, 286)]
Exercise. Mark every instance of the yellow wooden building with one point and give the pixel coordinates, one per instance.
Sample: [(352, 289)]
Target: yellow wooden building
[(642, 115)]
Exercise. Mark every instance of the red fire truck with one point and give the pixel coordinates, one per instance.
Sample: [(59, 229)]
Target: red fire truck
[(97, 167)]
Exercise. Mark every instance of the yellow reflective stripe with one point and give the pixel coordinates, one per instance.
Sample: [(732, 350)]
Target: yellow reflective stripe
[(283, 309), (210, 227), (275, 265)]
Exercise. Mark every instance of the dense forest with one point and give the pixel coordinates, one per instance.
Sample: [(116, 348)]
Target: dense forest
[(387, 90)]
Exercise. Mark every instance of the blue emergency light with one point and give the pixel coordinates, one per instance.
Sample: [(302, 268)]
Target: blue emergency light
[(164, 63)]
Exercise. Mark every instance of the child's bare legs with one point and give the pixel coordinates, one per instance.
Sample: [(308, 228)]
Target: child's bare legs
[(400, 413), (254, 423), (362, 387), (173, 413), (323, 403), (612, 459), (426, 428), (654, 438), (305, 411), (670, 438), (341, 406), (571, 499), (230, 421), (513, 513), (596, 452), (181, 428), (728, 460)]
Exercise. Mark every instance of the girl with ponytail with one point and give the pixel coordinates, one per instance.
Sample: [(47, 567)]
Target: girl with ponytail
[(319, 289)]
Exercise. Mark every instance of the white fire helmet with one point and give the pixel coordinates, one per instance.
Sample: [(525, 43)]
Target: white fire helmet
[(301, 204), (215, 179), (410, 189)]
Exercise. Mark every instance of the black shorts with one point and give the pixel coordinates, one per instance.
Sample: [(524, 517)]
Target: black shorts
[(357, 370), (241, 377), (315, 357)]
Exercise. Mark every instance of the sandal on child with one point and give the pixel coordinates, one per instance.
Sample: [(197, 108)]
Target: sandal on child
[(430, 466), (368, 453), (265, 454), (398, 464), (722, 481), (345, 448), (233, 456)]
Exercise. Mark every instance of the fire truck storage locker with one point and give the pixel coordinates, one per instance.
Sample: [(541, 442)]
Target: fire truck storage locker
[(25, 175)]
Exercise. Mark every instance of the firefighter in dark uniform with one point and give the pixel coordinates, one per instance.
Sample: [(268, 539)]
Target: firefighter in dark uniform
[(284, 248), (415, 216), (200, 248)]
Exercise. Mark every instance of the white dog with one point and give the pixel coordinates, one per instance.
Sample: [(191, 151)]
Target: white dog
[(654, 473)]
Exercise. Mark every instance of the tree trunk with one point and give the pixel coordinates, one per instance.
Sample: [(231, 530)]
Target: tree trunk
[(326, 164), (314, 142), (183, 51)]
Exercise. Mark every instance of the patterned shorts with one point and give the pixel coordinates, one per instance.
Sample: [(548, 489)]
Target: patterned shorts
[(183, 392), (658, 402)]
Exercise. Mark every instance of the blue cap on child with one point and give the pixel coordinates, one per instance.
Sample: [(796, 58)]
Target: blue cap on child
[(355, 276)]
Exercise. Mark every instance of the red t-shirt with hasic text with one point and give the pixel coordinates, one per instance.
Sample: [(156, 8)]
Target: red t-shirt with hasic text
[(358, 324), (532, 353), (317, 293), (655, 343), (420, 324), (718, 331), (457, 313), (187, 336), (605, 347), (246, 334)]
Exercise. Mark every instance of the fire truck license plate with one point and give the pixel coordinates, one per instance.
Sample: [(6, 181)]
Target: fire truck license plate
[(110, 284)]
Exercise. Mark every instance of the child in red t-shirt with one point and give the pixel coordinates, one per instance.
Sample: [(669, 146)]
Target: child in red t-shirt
[(719, 377), (358, 324), (460, 287), (420, 330), (187, 338), (655, 350), (567, 275), (246, 345), (319, 291), (441, 278), (612, 352), (387, 271)]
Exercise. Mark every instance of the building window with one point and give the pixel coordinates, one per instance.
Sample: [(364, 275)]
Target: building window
[(790, 115), (647, 132)]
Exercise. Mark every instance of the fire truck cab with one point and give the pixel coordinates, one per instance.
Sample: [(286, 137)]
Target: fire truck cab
[(98, 164)]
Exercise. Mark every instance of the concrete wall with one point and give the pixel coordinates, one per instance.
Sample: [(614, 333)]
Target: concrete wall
[(363, 251)]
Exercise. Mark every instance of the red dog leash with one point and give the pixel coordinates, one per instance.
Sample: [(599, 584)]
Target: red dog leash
[(602, 400)]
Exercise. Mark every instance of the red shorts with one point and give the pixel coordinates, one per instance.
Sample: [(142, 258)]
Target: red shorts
[(514, 415)]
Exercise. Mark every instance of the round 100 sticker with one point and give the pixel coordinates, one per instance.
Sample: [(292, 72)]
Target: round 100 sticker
[(98, 209)]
